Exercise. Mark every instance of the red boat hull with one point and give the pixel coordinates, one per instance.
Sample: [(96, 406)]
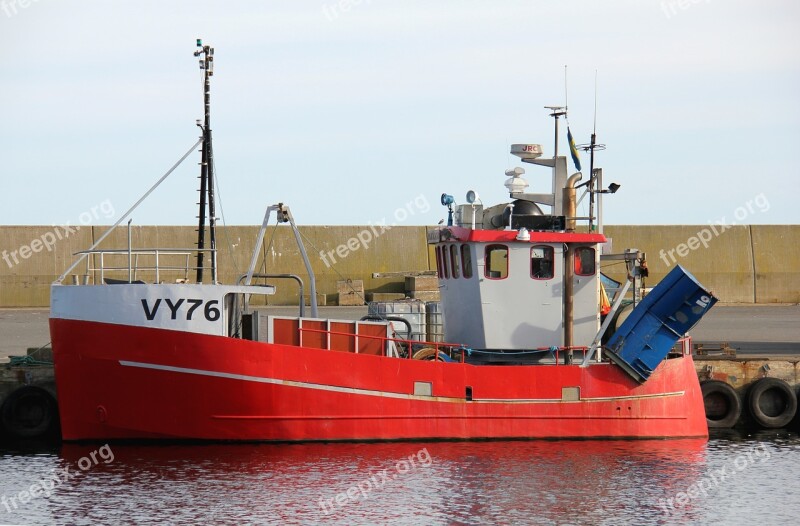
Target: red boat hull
[(126, 382)]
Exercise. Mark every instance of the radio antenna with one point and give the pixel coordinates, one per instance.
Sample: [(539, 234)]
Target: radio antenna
[(594, 125), (591, 148)]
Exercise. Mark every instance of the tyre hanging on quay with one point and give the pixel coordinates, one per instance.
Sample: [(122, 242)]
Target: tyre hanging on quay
[(29, 412), (771, 403), (722, 403)]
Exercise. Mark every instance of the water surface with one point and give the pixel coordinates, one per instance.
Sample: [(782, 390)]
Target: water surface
[(727, 480)]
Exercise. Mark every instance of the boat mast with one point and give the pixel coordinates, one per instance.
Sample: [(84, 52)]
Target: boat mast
[(556, 112), (206, 170), (561, 193), (595, 175), (592, 147)]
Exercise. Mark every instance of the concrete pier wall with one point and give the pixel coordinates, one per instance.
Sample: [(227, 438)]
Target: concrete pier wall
[(747, 264), (742, 264)]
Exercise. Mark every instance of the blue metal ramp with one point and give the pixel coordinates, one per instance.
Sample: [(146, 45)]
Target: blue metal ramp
[(673, 307)]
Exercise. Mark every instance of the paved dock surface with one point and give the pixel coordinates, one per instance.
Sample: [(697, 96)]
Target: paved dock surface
[(751, 329), (21, 329)]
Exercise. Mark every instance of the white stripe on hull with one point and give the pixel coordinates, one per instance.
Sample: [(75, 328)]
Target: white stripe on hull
[(383, 394)]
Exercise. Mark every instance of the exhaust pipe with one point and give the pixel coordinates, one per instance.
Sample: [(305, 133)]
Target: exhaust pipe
[(569, 207)]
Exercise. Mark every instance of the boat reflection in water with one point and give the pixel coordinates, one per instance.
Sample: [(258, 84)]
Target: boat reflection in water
[(542, 482)]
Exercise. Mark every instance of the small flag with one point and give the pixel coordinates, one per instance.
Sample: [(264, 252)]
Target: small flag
[(605, 305), (573, 150)]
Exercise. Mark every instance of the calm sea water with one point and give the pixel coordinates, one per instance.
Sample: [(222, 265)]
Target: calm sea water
[(727, 480)]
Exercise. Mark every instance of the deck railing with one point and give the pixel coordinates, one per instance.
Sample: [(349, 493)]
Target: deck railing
[(438, 348), (96, 261), (385, 340), (682, 347)]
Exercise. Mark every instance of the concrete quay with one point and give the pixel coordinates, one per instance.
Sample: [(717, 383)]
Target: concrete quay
[(740, 264)]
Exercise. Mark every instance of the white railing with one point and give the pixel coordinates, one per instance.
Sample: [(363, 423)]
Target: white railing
[(163, 261)]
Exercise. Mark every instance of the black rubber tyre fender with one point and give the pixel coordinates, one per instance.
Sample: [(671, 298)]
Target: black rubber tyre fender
[(795, 423), (29, 412), (722, 404), (771, 403)]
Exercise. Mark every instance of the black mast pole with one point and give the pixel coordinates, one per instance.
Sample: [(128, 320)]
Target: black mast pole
[(212, 218), (206, 169), (201, 226)]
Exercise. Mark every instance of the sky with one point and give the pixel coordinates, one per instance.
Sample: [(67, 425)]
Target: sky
[(359, 112)]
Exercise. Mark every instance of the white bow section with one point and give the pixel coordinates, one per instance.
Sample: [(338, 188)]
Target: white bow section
[(200, 309)]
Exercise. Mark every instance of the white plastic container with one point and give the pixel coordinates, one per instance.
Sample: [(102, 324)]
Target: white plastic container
[(434, 321), (411, 310)]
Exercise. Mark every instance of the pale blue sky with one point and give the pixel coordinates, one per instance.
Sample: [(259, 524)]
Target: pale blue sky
[(349, 115)]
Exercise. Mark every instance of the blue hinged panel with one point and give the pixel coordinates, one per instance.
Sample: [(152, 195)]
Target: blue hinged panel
[(673, 307)]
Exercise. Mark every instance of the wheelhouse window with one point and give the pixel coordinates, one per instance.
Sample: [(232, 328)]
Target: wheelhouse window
[(439, 262), (455, 260), (466, 261), (445, 263), (542, 262), (496, 262), (584, 261)]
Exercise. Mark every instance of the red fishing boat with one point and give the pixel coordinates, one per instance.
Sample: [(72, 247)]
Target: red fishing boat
[(533, 351)]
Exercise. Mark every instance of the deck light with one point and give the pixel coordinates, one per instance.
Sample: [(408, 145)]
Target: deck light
[(612, 189), (473, 199), (448, 201)]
